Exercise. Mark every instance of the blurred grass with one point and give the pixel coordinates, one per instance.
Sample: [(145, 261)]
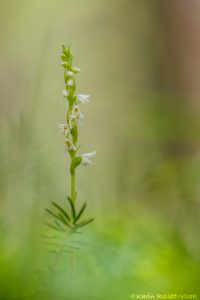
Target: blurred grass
[(141, 191)]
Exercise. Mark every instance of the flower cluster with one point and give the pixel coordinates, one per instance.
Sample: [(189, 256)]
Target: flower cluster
[(74, 114)]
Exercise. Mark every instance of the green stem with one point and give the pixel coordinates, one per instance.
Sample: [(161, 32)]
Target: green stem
[(72, 265), (59, 253), (73, 186)]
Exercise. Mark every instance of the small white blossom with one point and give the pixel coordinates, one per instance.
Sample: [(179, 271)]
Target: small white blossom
[(83, 98), (86, 158), (69, 145), (64, 63), (65, 93), (63, 128), (76, 70), (70, 73), (72, 120), (70, 82), (77, 112)]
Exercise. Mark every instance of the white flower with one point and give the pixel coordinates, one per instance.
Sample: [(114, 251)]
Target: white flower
[(64, 63), (69, 145), (70, 82), (77, 112), (73, 119), (83, 98), (86, 158), (76, 70), (65, 93), (70, 73), (63, 128), (79, 122)]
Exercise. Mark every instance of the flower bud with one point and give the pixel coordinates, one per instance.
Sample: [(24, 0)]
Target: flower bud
[(76, 70), (64, 64), (65, 93), (70, 82), (70, 73)]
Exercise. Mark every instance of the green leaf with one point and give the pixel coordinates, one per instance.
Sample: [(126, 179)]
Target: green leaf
[(68, 251), (52, 226), (64, 49), (73, 210), (75, 163), (61, 210), (64, 220), (53, 251), (85, 223), (58, 224), (52, 214), (74, 133), (81, 211), (71, 247), (59, 218)]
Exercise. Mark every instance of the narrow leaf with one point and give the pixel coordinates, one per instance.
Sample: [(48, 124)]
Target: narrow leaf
[(67, 251), (63, 220), (54, 251), (71, 247), (72, 207), (52, 214), (61, 210), (85, 223), (52, 226), (81, 211), (59, 225)]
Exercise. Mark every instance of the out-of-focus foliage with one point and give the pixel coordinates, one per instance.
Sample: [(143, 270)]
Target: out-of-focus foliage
[(144, 186)]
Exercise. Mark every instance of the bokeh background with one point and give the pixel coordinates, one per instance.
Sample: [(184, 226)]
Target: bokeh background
[(140, 64)]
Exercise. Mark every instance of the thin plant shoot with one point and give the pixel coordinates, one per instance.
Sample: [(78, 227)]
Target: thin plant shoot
[(67, 220)]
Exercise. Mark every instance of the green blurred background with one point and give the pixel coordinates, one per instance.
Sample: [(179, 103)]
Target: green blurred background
[(140, 64)]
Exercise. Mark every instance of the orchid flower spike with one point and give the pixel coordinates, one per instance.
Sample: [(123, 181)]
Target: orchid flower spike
[(67, 220)]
